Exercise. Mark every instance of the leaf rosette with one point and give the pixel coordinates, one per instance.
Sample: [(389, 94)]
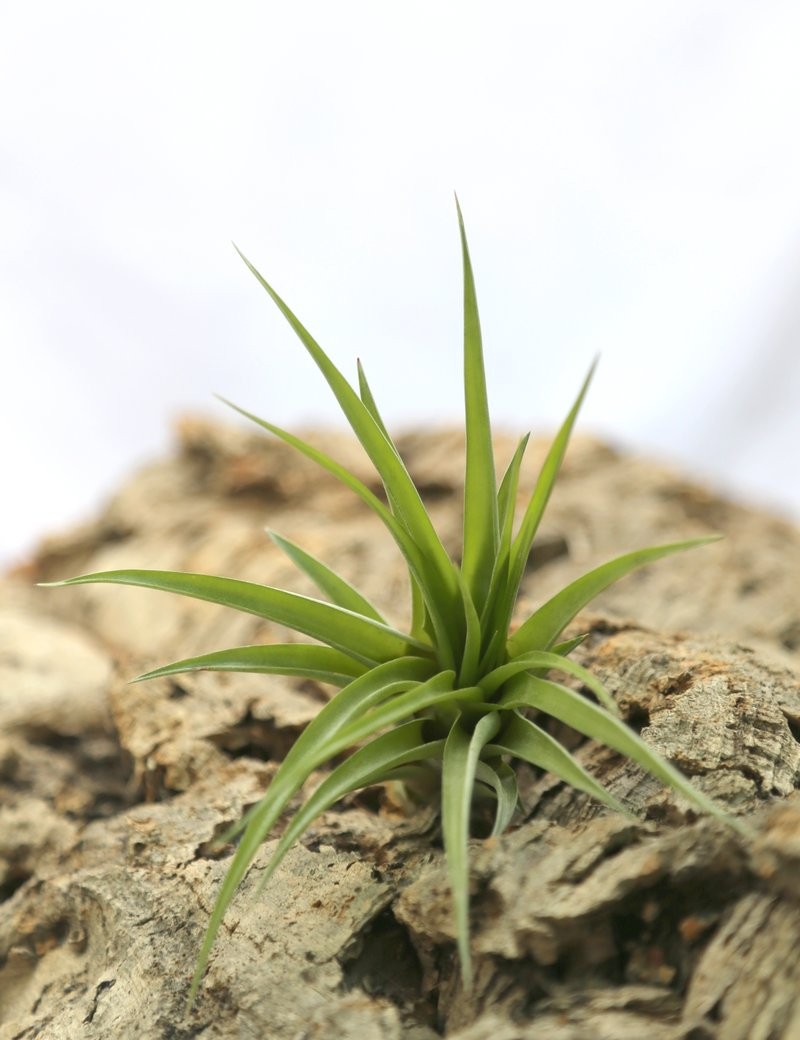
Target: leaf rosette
[(454, 699)]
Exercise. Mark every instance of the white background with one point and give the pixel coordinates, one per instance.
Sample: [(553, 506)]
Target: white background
[(629, 173)]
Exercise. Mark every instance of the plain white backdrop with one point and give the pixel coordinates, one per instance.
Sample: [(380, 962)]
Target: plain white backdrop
[(628, 171)]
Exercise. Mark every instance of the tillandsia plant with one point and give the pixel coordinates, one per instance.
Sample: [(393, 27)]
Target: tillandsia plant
[(447, 701)]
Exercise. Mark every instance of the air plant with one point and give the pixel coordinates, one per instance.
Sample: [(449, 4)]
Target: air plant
[(450, 700)]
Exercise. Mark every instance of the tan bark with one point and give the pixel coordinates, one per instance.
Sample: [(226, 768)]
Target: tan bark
[(584, 924)]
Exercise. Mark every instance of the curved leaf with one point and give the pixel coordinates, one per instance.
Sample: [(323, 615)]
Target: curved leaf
[(311, 661), (347, 708), (459, 763), (369, 765), (506, 504), (418, 614), (369, 401), (505, 586), (541, 660), (360, 637), (405, 496), (355, 701), (507, 495), (424, 578), (305, 755), (337, 590), (502, 779), (543, 627), (481, 525), (524, 739), (438, 690), (587, 718), (470, 658)]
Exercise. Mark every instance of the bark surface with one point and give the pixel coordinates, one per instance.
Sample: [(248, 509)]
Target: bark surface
[(585, 925)]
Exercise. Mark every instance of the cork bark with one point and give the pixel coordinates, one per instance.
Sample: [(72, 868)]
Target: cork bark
[(585, 924)]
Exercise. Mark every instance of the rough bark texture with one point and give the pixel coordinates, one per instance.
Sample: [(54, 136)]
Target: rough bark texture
[(585, 925)]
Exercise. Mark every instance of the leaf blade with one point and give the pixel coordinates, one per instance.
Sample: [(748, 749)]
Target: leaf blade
[(459, 763), (367, 397), (418, 613), (437, 690), (338, 590), (424, 581), (542, 660), (366, 766), (575, 711), (310, 661), (507, 495), (502, 779), (543, 627), (360, 637), (381, 451), (481, 525), (505, 587), (524, 739), (306, 754)]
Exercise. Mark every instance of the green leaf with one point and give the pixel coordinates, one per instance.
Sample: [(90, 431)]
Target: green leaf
[(369, 401), (507, 497), (360, 637), (364, 767), (539, 661), (424, 580), (566, 648), (352, 716), (543, 627), (310, 661), (468, 672), (481, 525), (418, 613), (404, 542), (327, 581), (503, 781), (587, 718), (371, 764), (495, 651), (331, 466), (524, 739), (504, 589), (404, 494), (497, 611), (438, 690), (422, 627), (354, 701), (459, 763), (306, 754)]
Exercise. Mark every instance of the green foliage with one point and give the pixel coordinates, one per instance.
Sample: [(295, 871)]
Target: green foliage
[(450, 698)]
